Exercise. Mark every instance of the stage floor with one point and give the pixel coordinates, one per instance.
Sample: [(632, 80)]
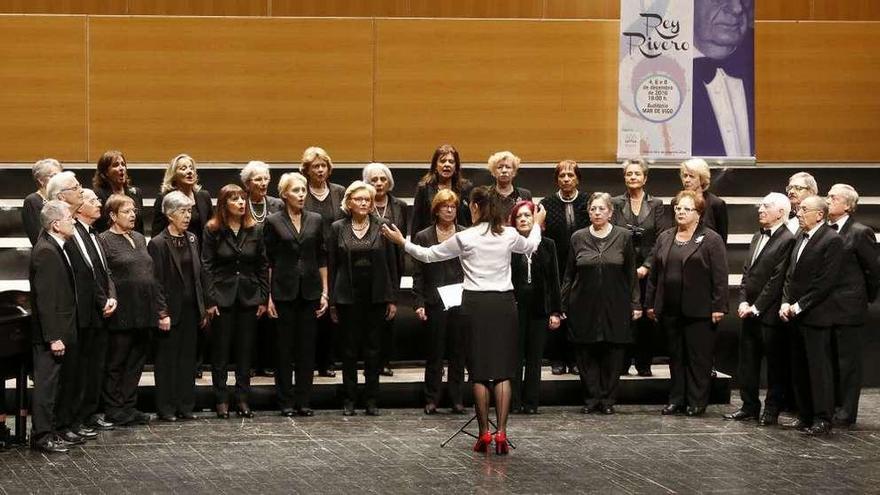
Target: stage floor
[(558, 451)]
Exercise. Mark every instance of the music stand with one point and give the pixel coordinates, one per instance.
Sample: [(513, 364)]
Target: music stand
[(463, 429)]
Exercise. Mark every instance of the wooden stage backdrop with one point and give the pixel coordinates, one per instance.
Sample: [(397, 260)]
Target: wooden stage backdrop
[(257, 85)]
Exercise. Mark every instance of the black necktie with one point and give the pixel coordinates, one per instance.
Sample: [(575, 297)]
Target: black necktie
[(765, 232), (792, 214), (93, 232), (834, 226), (806, 236), (705, 68)]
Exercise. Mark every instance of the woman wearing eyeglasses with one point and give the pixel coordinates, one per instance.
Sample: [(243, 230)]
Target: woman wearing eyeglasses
[(687, 294)]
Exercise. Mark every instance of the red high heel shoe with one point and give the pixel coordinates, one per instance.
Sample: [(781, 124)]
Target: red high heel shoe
[(501, 446), (483, 442)]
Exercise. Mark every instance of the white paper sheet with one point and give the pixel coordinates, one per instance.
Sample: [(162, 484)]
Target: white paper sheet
[(451, 295)]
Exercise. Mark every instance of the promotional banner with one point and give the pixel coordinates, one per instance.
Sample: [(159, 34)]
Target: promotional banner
[(686, 83)]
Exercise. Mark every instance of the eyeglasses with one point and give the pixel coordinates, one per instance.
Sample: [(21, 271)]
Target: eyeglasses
[(72, 188), (795, 187), (359, 200), (804, 209), (448, 207), (126, 211), (684, 209)]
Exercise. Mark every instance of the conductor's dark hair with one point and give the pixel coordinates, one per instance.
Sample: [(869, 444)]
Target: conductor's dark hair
[(490, 211)]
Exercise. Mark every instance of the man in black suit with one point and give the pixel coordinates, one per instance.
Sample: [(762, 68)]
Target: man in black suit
[(93, 338), (763, 333), (858, 281), (53, 300), (724, 79), (808, 302)]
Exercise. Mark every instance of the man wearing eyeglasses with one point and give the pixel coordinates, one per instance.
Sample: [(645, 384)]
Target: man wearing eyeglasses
[(808, 303), (858, 282), (763, 333), (800, 185)]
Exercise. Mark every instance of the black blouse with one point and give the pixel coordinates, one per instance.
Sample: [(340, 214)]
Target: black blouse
[(132, 269), (428, 276)]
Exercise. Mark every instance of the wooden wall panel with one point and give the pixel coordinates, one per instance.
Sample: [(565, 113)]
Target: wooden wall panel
[(816, 101), (846, 10), (227, 89), (199, 7), (340, 8), (529, 9), (43, 101), (796, 10), (545, 90), (582, 9), (109, 7)]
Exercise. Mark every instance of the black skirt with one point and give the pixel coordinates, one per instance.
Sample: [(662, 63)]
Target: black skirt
[(492, 326)]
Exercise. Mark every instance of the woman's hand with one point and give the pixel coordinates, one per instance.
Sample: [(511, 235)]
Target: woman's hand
[(165, 323), (422, 315), (323, 304), (539, 216), (652, 315), (637, 313), (392, 233), (261, 310), (554, 322), (642, 272), (391, 311), (334, 315), (109, 307), (716, 317), (270, 308), (212, 312)]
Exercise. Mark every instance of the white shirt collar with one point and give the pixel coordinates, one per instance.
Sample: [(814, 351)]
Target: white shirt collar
[(812, 231), (840, 222), (60, 240)]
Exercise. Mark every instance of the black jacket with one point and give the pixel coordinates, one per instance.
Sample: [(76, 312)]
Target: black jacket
[(421, 214), (90, 298), (105, 288), (704, 274), (169, 276), (397, 212), (651, 220), (715, 215), (557, 229), (53, 297), (545, 274), (385, 279), (295, 257), (134, 193), (30, 216), (428, 276), (599, 291), (506, 203), (235, 268), (810, 281), (201, 213), (762, 280), (859, 276)]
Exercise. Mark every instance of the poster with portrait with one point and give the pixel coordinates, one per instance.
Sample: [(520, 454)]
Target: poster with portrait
[(686, 80)]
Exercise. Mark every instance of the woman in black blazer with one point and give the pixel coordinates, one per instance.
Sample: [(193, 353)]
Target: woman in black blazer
[(696, 177), (111, 177), (298, 291), (535, 280), (645, 217), (444, 325), (687, 293), (42, 171), (236, 275), (180, 298), (363, 290), (391, 210), (600, 297), (181, 176), (444, 174), (324, 198)]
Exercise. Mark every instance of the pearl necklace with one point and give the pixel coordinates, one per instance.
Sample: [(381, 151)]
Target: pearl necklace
[(258, 218), (559, 193)]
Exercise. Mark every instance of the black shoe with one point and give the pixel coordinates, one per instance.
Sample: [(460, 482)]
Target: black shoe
[(740, 415), (327, 373), (86, 433), (187, 416), (222, 411), (645, 373), (288, 412), (799, 425), (386, 371), (372, 409), (590, 409), (244, 411), (51, 446), (269, 372), (101, 424), (72, 438), (819, 428), (695, 411), (305, 412), (573, 370), (624, 371), (199, 374), (167, 418), (530, 410), (139, 418), (557, 369), (457, 409), (671, 409), (430, 408), (516, 410), (5, 436), (609, 409), (768, 419), (348, 409)]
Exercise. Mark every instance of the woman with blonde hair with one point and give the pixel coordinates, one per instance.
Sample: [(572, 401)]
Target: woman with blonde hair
[(181, 175)]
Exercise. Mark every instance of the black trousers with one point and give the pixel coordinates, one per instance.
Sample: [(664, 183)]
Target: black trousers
[(264, 354), (758, 340), (532, 337), (47, 372), (811, 371), (233, 333), (326, 343), (93, 366), (295, 334), (846, 353), (599, 368), (691, 343), (126, 356), (646, 343), (175, 360), (446, 336), (361, 327), (558, 349), (386, 351), (70, 382)]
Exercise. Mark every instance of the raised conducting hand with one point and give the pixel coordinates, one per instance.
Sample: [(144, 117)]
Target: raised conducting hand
[(420, 312), (392, 233)]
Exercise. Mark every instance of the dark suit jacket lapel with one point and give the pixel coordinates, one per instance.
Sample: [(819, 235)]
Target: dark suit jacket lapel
[(288, 222), (692, 247), (172, 253), (752, 246), (646, 209)]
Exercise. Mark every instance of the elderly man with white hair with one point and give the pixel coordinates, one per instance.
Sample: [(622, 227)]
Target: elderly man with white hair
[(42, 171), (858, 282), (763, 333), (800, 185)]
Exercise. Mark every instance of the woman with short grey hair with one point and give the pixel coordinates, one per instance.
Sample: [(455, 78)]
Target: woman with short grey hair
[(42, 171)]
